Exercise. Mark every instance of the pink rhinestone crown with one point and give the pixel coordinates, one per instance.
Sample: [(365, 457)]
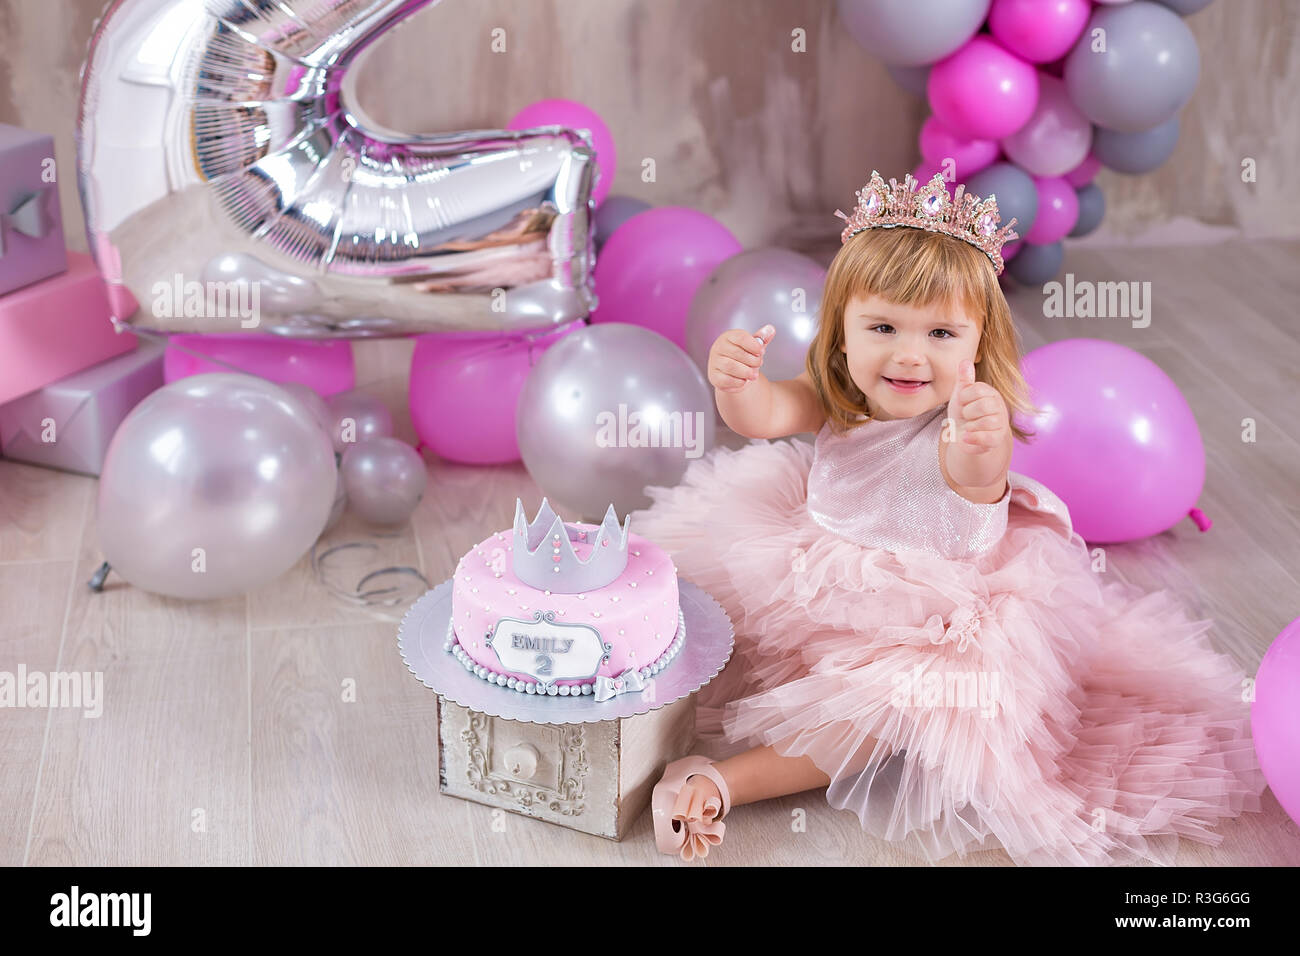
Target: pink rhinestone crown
[(964, 216)]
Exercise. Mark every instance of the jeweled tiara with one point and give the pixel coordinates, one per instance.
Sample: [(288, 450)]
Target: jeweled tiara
[(964, 216)]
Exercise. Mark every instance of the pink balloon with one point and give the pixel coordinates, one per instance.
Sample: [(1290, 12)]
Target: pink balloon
[(1084, 173), (1116, 439), (1058, 211), (1056, 68), (651, 266), (925, 171), (969, 156), (574, 115), (982, 91), (1273, 723), (324, 366), (1056, 138), (464, 389), (1038, 30)]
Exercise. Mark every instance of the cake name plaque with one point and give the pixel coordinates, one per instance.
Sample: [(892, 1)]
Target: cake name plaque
[(548, 650)]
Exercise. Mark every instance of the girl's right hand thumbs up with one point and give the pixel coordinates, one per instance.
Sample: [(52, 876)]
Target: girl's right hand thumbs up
[(736, 357)]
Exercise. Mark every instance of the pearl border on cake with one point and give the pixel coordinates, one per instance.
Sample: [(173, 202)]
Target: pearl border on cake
[(452, 646)]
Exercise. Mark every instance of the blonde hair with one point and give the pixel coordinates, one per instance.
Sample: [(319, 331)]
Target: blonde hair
[(916, 268)]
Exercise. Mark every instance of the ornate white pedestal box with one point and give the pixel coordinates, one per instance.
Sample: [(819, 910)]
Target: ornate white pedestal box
[(581, 763), (591, 777)]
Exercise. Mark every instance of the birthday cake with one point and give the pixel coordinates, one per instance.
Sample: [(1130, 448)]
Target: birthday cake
[(565, 609)]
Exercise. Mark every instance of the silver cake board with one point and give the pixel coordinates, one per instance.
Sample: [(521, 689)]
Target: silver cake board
[(422, 635)]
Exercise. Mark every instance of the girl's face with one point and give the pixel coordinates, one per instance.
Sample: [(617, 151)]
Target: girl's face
[(887, 343)]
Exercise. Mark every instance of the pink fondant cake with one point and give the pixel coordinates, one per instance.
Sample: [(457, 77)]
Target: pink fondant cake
[(604, 621)]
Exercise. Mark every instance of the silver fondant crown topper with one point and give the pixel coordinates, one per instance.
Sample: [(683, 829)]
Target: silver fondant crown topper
[(543, 555)]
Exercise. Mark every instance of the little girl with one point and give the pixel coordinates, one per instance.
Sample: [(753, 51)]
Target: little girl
[(918, 629)]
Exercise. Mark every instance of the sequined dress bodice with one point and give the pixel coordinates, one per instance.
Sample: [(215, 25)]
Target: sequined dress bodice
[(880, 486)]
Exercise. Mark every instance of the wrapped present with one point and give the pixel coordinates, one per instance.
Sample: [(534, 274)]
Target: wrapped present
[(69, 423), (55, 327), (31, 220)]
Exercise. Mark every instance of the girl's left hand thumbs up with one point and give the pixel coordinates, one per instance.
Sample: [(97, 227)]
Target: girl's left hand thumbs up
[(965, 376), (978, 413)]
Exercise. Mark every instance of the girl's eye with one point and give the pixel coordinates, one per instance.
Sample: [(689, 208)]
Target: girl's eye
[(946, 333)]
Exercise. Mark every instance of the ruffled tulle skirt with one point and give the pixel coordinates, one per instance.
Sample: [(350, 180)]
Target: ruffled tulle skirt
[(1019, 699)]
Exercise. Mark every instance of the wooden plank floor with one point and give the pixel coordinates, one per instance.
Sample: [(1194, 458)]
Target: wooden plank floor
[(225, 737)]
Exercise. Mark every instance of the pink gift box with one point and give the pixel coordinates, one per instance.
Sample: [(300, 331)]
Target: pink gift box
[(31, 220), (69, 423), (55, 327)]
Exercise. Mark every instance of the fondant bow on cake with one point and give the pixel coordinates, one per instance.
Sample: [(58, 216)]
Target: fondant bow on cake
[(627, 682), (30, 217)]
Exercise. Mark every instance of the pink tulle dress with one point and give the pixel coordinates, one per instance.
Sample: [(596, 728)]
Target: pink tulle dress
[(959, 670)]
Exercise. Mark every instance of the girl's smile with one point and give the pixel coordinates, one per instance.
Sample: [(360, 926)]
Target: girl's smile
[(905, 358), (907, 386)]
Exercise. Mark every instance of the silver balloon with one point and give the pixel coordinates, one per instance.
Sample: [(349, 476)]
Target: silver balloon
[(1134, 153), (1185, 7), (913, 79), (1092, 207), (315, 404), (753, 289), (384, 479), (1146, 73), (912, 32), (216, 142), (340, 502), (613, 212), (1035, 264), (608, 410), (212, 486), (356, 417), (1017, 195)]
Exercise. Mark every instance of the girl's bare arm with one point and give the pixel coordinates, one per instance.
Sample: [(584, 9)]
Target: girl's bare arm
[(767, 409), (750, 403)]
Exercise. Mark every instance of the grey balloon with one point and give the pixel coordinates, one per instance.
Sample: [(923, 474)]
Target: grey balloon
[(384, 479), (213, 485), (911, 78), (1185, 7), (1034, 265), (912, 32), (753, 289), (608, 410), (1092, 207), (613, 212), (1135, 153), (1146, 73), (356, 417), (1017, 195)]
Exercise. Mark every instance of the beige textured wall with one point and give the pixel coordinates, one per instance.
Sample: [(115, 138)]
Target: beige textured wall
[(767, 140)]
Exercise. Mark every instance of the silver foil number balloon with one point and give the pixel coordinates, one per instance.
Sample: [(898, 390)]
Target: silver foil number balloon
[(214, 485), (228, 185)]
